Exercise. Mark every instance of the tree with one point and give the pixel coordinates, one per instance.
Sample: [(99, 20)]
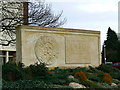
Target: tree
[(39, 14), (111, 35), (11, 17), (103, 54), (112, 46), (112, 40)]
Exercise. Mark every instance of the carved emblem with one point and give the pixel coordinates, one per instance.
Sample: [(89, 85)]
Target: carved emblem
[(46, 49)]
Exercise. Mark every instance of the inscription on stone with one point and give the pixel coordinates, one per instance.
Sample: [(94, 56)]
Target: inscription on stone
[(46, 49), (78, 49)]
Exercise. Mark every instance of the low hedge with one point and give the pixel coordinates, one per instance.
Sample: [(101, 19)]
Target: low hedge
[(114, 72), (38, 76), (30, 84)]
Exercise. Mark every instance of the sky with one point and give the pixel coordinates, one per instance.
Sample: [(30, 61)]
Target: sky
[(95, 15)]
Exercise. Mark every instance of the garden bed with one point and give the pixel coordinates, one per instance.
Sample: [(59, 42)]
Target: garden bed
[(39, 76)]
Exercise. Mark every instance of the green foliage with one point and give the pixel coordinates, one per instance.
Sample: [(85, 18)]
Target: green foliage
[(107, 68), (97, 77), (36, 70), (119, 86), (93, 70), (112, 47), (114, 72), (109, 87), (38, 76), (24, 84), (112, 39), (69, 71), (30, 84), (111, 35), (88, 83), (84, 69), (57, 78), (20, 65), (11, 72), (116, 81), (60, 86), (73, 80), (91, 84), (115, 75), (94, 74)]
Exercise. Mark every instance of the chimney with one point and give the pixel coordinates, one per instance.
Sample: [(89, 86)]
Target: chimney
[(25, 13)]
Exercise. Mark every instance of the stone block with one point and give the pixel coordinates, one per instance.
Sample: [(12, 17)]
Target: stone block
[(58, 47)]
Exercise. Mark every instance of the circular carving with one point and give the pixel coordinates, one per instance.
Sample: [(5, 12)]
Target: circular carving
[(46, 49)]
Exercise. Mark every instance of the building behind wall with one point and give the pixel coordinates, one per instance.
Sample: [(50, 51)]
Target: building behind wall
[(8, 53)]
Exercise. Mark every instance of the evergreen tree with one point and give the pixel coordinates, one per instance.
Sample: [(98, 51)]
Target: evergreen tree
[(112, 39), (111, 35), (103, 54), (112, 46)]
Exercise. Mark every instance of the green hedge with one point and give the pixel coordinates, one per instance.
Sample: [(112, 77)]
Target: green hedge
[(114, 72), (30, 84)]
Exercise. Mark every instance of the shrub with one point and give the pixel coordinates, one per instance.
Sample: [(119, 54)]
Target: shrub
[(30, 84), (105, 85), (108, 68), (37, 70), (60, 79), (92, 70), (107, 78), (11, 72), (115, 75), (118, 86), (114, 72), (94, 77), (20, 65), (81, 76), (84, 69), (91, 84), (24, 84), (116, 81)]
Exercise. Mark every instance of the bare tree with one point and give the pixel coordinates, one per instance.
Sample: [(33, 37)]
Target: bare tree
[(12, 15), (39, 14)]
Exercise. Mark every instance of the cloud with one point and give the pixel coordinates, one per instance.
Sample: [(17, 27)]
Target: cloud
[(91, 6), (98, 7), (84, 1)]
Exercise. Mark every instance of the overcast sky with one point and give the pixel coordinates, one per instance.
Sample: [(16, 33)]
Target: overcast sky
[(88, 14)]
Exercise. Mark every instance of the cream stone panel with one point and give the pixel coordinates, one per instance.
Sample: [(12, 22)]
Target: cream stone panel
[(58, 47), (82, 48), (36, 45)]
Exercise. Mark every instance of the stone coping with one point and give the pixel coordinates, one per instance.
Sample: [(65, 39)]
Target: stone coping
[(58, 29)]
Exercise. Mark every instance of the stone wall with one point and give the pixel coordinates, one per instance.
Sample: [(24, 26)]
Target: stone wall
[(58, 47)]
